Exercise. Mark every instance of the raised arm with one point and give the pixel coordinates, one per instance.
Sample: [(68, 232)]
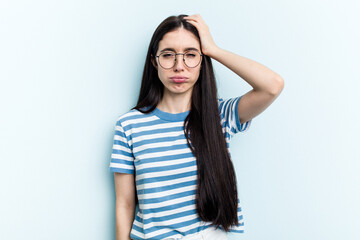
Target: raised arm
[(267, 85)]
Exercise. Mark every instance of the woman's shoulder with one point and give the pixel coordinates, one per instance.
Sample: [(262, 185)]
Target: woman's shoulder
[(130, 115)]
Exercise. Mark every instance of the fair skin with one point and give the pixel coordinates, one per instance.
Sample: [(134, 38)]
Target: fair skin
[(125, 204), (267, 85), (177, 96)]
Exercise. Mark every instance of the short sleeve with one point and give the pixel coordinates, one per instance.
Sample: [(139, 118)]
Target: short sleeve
[(122, 158), (230, 116)]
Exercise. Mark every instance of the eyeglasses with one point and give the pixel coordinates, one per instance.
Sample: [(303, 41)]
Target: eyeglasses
[(191, 58)]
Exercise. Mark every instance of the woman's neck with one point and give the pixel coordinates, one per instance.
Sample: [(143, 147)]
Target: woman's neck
[(175, 103)]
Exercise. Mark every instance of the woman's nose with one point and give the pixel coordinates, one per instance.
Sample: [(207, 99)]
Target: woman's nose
[(179, 62)]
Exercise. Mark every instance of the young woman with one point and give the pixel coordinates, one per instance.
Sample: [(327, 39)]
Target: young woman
[(171, 158)]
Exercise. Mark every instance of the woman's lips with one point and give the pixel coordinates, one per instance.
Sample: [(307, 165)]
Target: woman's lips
[(178, 79)]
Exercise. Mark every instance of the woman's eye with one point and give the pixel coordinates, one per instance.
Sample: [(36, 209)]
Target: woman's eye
[(166, 55), (190, 55)]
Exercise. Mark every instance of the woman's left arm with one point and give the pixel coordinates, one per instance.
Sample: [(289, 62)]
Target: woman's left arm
[(267, 84), (257, 75)]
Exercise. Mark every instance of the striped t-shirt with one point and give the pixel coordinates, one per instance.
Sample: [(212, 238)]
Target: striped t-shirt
[(153, 146)]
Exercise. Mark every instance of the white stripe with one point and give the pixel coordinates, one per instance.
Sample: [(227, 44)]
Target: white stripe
[(170, 162), (165, 173), (157, 135), (165, 153), (122, 157), (122, 148), (166, 183), (156, 126), (122, 166), (168, 203), (139, 120), (159, 144)]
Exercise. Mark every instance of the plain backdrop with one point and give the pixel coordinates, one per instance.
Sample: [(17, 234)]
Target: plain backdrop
[(69, 68)]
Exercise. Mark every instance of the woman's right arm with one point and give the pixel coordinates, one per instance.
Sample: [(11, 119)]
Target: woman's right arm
[(125, 204)]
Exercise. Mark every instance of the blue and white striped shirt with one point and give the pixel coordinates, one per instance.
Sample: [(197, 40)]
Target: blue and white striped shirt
[(153, 147)]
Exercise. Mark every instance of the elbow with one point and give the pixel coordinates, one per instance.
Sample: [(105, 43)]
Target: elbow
[(278, 85)]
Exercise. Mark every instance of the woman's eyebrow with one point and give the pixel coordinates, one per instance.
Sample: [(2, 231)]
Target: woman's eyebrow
[(186, 49)]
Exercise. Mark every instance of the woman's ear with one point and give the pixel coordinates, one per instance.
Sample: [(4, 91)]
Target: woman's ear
[(153, 61)]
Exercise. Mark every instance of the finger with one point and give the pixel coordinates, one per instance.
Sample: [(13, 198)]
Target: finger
[(193, 22), (192, 17), (197, 17), (189, 18)]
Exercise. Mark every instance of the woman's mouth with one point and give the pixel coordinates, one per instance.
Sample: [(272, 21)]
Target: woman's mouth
[(178, 79)]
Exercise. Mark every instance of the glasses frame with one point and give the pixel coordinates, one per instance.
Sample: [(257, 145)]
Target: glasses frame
[(201, 55)]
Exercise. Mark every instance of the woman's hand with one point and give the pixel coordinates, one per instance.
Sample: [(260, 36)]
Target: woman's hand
[(208, 45)]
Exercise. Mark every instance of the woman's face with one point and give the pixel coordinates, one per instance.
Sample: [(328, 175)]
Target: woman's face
[(179, 40)]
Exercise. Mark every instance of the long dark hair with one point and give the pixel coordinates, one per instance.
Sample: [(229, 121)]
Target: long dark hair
[(216, 197)]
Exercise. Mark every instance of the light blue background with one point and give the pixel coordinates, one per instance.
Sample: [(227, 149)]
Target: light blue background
[(69, 68)]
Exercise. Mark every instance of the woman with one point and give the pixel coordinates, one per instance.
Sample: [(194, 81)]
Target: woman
[(171, 151)]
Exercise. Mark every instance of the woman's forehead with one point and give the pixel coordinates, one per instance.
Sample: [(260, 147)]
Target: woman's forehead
[(179, 40)]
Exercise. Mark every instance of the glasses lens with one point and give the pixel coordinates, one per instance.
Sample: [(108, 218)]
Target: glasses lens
[(192, 59), (167, 59)]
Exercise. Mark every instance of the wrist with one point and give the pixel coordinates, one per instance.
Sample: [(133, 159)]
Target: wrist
[(213, 52)]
